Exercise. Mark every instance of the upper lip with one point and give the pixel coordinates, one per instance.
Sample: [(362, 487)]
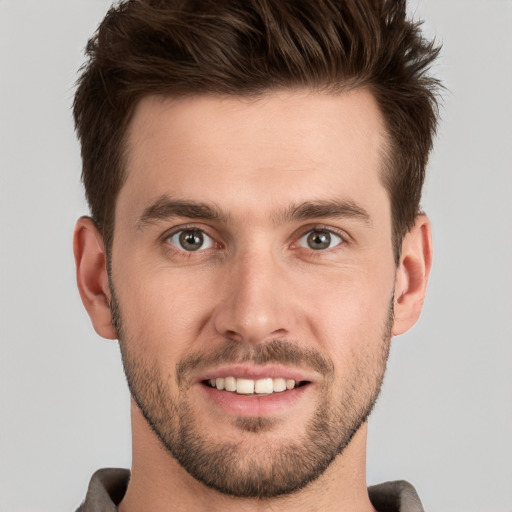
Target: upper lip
[(254, 372)]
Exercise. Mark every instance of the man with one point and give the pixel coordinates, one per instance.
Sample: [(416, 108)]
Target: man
[(254, 171)]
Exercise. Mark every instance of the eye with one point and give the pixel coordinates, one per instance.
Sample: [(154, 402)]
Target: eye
[(191, 240), (319, 239)]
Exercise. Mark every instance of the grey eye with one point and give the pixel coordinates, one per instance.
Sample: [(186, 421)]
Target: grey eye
[(319, 239), (191, 240)]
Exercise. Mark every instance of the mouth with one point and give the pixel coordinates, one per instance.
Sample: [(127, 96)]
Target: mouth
[(256, 387), (257, 391)]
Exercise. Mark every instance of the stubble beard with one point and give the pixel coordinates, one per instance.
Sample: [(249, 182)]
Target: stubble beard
[(261, 470)]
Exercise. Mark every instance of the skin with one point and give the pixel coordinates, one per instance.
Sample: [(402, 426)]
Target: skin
[(257, 280)]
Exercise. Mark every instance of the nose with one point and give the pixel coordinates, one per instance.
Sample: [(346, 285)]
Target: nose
[(254, 304)]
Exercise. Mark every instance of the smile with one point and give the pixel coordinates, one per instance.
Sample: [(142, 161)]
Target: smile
[(254, 391), (264, 386)]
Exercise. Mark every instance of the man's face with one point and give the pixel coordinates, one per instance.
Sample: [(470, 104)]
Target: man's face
[(253, 248)]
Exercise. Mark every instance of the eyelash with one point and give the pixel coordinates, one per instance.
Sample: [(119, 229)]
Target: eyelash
[(313, 254), (182, 252), (216, 245)]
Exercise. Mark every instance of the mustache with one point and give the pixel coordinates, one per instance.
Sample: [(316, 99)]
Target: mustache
[(276, 351)]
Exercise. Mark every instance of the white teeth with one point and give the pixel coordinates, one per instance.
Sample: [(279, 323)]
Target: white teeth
[(264, 386), (280, 385), (244, 386), (230, 383)]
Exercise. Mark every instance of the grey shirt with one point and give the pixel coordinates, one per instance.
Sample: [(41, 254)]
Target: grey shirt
[(107, 488)]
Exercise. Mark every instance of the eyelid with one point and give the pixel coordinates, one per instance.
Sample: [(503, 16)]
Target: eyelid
[(343, 235), (164, 238), (207, 241)]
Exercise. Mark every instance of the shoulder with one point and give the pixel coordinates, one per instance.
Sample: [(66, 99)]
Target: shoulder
[(397, 496), (106, 490)]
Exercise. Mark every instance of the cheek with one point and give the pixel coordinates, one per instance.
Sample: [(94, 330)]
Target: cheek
[(350, 310), (168, 312), (159, 310)]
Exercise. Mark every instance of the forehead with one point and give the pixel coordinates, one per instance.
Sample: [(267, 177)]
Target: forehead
[(278, 147)]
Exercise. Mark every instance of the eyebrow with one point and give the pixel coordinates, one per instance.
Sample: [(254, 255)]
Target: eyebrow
[(166, 208), (324, 208)]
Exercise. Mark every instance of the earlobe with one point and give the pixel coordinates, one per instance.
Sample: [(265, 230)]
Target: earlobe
[(412, 275), (92, 276)]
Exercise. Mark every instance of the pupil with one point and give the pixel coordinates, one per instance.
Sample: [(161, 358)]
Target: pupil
[(319, 240), (191, 240)]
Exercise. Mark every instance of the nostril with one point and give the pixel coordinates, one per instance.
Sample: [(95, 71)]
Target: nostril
[(233, 335)]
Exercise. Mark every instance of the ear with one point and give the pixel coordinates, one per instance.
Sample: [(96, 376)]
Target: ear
[(92, 277), (412, 275)]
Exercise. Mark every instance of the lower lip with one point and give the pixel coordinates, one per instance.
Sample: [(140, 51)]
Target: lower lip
[(254, 406)]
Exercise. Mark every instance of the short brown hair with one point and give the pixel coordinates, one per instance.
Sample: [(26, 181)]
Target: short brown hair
[(180, 48)]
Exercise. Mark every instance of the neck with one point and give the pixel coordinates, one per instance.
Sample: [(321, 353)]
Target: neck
[(158, 483)]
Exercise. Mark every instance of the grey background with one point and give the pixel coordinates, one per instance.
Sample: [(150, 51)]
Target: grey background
[(445, 416)]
